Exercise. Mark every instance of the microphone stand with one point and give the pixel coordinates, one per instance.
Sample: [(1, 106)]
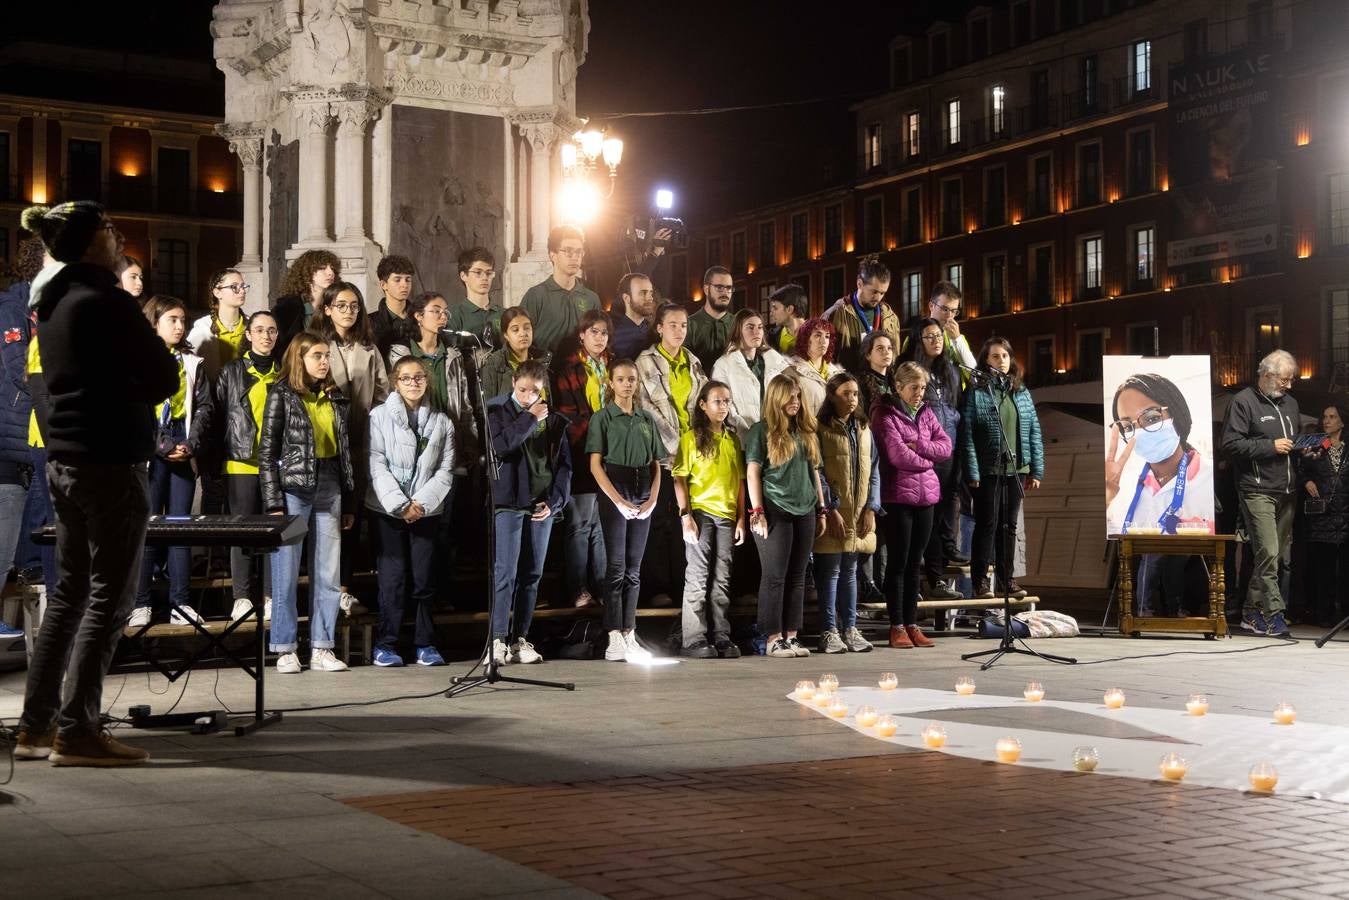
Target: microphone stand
[(984, 380), (491, 673)]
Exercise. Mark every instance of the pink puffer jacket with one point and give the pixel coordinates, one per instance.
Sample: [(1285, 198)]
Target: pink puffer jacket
[(908, 447)]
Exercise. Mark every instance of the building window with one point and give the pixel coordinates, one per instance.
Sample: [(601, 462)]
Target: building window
[(1090, 350), (1141, 67), (171, 274), (1044, 18), (1140, 162), (1041, 275), (954, 272), (1020, 24), (1040, 361), (679, 277), (1089, 174), (995, 285), (997, 110), (937, 45), (84, 170), (913, 128), (1337, 330), (833, 229), (834, 280), (1039, 99), (1339, 209), (995, 196), (978, 39), (1259, 20), (4, 245), (1141, 339), (739, 253), (874, 146), (1143, 249), (765, 291), (952, 221), (800, 237), (951, 122), (899, 66), (173, 179), (1041, 185), (1089, 262), (873, 223), (768, 251), (1196, 39), (738, 296), (911, 295), (714, 251), (8, 190), (1090, 88), (913, 216)]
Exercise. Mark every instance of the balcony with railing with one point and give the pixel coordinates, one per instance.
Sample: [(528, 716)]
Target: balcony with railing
[(141, 194)]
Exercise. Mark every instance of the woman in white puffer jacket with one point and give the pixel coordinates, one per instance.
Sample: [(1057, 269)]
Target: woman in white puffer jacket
[(411, 459)]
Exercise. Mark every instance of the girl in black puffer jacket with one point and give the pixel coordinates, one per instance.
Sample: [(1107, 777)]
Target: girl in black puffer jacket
[(304, 465), (240, 394)]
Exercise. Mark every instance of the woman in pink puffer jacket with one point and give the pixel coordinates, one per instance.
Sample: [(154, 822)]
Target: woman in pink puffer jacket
[(910, 440)]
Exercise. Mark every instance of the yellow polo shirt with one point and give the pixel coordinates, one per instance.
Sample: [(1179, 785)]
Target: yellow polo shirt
[(714, 483)]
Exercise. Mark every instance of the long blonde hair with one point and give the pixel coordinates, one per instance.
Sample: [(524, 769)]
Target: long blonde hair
[(783, 431)]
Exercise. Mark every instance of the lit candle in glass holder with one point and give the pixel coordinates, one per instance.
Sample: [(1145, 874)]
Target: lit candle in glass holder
[(867, 716), (837, 708), (805, 690), (823, 698), (934, 735), (829, 682), (1197, 705), (1008, 749), (1263, 777), (1284, 713), (964, 685), (1034, 692), (1085, 759), (1173, 767), (886, 726), (889, 681), (1114, 698)]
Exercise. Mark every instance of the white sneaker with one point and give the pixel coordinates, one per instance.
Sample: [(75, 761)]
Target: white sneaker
[(636, 652), (617, 651), (140, 617), (323, 660), (184, 615), (500, 652), (524, 652), (288, 664), (267, 609), (243, 607)]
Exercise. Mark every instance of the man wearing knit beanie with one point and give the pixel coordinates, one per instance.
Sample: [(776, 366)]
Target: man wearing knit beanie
[(105, 369)]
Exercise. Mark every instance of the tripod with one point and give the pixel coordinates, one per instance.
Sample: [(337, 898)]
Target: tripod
[(984, 381), (491, 673), (1321, 641)]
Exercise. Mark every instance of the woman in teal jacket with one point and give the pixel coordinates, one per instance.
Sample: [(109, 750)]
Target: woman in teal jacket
[(999, 394)]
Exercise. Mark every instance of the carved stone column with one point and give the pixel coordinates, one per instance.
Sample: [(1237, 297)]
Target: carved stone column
[(353, 118), (314, 180), (542, 138), (249, 150)]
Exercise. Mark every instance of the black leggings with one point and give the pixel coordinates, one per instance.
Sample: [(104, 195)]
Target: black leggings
[(245, 499), (624, 545), (906, 532), (783, 557), (989, 543)]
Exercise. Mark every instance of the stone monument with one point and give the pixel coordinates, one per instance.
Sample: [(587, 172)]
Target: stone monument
[(416, 127)]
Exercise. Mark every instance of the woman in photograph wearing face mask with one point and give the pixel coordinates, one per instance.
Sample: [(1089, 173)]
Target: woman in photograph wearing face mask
[(1152, 417)]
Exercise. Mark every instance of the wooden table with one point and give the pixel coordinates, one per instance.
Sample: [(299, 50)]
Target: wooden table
[(1213, 547)]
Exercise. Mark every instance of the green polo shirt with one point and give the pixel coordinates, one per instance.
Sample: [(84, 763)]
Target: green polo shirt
[(756, 365), (467, 316), (556, 311), (713, 482), (437, 388), (791, 486), (624, 439), (708, 337)]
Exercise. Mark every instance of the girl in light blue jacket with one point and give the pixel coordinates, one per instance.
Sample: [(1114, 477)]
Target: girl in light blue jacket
[(411, 458)]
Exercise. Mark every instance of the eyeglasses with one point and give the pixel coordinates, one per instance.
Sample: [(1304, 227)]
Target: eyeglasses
[(482, 273), (721, 287), (346, 307), (953, 310), (237, 288), (439, 312), (933, 338), (264, 332), (1282, 381), (1149, 420), (411, 379), (572, 252), (597, 331)]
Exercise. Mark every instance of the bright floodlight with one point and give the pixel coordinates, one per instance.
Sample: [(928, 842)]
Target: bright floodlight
[(664, 199), (579, 202)]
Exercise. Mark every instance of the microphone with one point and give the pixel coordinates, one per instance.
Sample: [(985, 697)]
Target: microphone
[(459, 335), (985, 377)]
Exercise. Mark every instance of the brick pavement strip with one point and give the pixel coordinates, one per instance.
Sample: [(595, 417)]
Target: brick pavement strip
[(929, 825)]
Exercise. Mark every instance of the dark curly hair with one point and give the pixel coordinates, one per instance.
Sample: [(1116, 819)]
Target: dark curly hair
[(300, 276)]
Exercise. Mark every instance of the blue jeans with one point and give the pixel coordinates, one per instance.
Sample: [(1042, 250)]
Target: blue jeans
[(13, 499), (37, 515), (172, 486), (836, 583), (521, 547), (583, 567), (323, 515)]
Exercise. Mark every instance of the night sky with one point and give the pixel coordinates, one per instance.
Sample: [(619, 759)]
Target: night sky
[(643, 57)]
